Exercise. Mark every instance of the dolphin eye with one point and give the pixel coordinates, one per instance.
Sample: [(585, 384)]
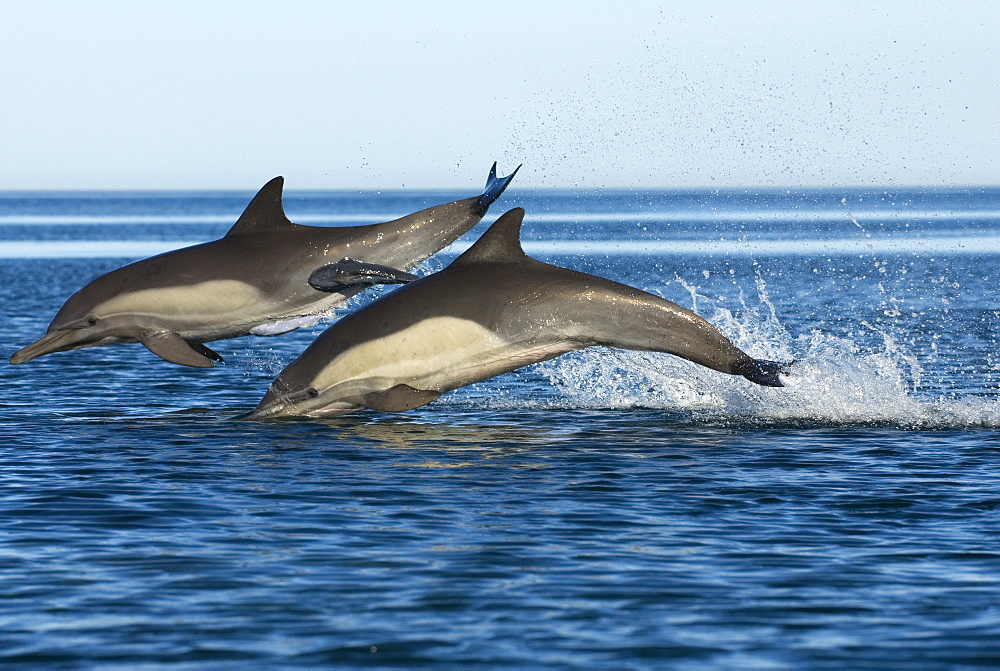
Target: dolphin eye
[(83, 322), (303, 394)]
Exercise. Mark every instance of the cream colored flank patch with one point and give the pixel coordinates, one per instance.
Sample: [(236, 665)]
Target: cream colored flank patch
[(205, 300), (436, 354)]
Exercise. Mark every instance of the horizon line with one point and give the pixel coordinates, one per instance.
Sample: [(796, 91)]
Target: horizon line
[(539, 189)]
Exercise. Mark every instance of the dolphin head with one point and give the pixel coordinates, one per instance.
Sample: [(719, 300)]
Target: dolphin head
[(305, 388), (280, 401), (293, 396), (296, 393), (86, 319), (74, 326)]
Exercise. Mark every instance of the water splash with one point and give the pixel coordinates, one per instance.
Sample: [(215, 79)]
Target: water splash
[(834, 379)]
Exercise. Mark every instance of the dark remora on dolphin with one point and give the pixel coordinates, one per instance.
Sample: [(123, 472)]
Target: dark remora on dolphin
[(493, 310), (259, 279)]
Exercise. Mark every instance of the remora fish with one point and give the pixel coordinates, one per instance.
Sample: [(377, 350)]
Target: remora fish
[(493, 310), (258, 279)]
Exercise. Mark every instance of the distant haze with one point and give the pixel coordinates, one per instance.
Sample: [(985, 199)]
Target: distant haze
[(168, 95)]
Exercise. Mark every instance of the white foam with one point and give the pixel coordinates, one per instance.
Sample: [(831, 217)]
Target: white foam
[(833, 381)]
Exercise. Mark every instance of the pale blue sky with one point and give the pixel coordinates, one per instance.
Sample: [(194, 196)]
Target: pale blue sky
[(147, 95)]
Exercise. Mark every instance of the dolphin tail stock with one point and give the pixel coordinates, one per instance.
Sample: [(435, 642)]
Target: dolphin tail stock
[(762, 372), (350, 273), (494, 187)]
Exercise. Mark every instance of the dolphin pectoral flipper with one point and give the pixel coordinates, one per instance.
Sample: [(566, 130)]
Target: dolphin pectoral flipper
[(398, 399), (175, 349), (494, 187), (350, 273), (202, 349)]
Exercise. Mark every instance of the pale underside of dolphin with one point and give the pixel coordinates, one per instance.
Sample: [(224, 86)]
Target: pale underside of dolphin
[(493, 310), (265, 277)]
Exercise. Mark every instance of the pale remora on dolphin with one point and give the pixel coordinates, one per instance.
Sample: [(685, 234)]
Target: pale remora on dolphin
[(493, 310), (259, 279)]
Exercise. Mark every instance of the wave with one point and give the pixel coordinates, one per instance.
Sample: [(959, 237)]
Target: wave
[(89, 249), (680, 216), (957, 244)]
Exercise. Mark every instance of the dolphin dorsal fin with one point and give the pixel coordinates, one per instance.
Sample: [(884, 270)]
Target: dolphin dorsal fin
[(501, 241), (264, 213)]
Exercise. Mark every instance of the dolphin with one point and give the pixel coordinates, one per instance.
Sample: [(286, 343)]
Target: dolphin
[(493, 310), (259, 279)]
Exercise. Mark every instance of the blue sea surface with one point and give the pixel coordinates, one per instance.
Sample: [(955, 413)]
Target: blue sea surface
[(606, 509)]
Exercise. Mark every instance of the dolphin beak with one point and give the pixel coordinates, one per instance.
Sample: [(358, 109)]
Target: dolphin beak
[(53, 341), (268, 410), (270, 406)]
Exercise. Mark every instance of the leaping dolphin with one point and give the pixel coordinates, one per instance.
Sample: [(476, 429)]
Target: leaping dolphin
[(256, 280), (493, 310)]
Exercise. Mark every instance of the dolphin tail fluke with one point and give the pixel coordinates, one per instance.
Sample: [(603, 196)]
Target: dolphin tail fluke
[(175, 349), (350, 273), (494, 187), (763, 372)]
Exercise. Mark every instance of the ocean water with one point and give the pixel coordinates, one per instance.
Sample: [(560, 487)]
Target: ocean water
[(606, 509)]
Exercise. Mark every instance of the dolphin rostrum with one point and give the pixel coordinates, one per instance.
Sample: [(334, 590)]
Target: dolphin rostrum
[(259, 279), (493, 310)]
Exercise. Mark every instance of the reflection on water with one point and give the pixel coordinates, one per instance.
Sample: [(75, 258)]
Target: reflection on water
[(407, 434)]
